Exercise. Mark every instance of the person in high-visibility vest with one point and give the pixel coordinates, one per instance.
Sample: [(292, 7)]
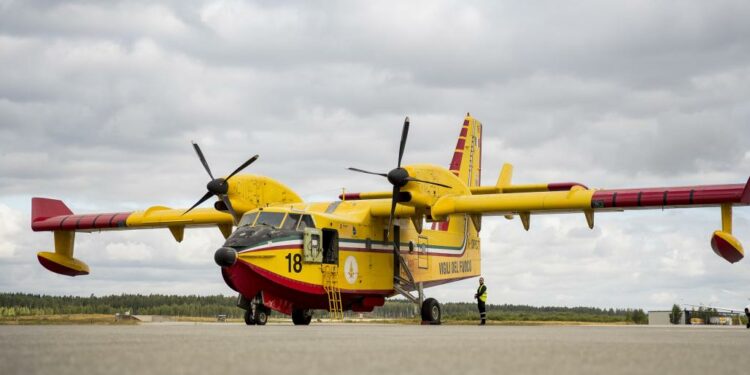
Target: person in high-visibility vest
[(481, 297)]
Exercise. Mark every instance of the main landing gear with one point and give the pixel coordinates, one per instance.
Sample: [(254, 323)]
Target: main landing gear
[(431, 311), (301, 317), (430, 308)]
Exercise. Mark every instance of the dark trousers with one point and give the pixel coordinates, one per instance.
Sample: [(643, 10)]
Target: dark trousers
[(747, 314), (482, 312)]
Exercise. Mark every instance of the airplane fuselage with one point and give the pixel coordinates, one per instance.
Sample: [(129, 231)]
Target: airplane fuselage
[(267, 253)]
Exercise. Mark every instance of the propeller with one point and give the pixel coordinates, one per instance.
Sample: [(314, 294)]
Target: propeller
[(218, 186), (398, 177)]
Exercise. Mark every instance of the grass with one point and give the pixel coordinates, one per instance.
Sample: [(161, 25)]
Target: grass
[(67, 319)]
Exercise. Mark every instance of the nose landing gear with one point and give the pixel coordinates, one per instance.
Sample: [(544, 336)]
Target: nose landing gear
[(255, 312)]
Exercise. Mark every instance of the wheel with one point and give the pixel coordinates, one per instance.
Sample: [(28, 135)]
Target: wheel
[(261, 315), (301, 317), (431, 311), (249, 319)]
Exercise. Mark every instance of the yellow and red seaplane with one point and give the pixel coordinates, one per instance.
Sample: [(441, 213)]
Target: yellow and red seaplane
[(350, 254)]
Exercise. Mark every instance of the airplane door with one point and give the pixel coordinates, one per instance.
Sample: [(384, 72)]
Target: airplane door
[(422, 261), (330, 246)]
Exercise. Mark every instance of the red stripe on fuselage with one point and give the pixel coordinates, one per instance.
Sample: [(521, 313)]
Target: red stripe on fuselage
[(352, 249), (307, 287), (277, 247), (249, 280)]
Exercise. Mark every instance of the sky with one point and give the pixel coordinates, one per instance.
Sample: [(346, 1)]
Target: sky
[(99, 102)]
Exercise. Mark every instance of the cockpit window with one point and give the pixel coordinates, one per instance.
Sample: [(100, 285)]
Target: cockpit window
[(248, 219), (273, 219), (306, 222), (291, 222)]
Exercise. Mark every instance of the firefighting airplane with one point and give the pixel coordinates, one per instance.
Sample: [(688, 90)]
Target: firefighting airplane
[(294, 257)]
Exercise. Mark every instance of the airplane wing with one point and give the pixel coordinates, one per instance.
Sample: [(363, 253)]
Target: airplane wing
[(580, 199), (527, 200), (53, 215), (242, 193)]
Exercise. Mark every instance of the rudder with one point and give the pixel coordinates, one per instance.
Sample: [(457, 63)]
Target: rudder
[(467, 157)]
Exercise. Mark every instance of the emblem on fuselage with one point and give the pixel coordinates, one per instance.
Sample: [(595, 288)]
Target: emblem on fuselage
[(351, 269)]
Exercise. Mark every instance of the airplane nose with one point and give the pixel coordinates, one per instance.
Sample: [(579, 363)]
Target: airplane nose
[(225, 256)]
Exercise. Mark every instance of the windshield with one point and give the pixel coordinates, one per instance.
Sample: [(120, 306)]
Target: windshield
[(248, 219), (291, 222), (306, 222), (270, 218)]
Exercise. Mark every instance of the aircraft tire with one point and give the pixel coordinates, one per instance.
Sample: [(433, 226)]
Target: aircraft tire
[(431, 311), (249, 319), (261, 315), (301, 317)]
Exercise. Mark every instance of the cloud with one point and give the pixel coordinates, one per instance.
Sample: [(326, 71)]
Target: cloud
[(10, 228), (128, 251)]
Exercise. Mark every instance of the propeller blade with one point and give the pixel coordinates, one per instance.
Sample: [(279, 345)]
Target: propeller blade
[(228, 203), (243, 166), (203, 199), (368, 172), (404, 133), (203, 160), (426, 182)]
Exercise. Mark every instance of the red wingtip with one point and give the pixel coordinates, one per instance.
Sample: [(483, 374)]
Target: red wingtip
[(563, 186), (350, 196), (746, 193), (45, 208)]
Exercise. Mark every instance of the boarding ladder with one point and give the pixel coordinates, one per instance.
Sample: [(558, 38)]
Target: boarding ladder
[(331, 286)]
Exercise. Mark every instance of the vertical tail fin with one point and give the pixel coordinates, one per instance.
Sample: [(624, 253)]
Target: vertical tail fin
[(466, 164), (467, 158)]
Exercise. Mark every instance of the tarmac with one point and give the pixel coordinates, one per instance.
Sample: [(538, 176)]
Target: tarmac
[(189, 348)]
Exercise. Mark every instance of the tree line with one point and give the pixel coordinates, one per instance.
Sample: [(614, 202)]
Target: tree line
[(21, 304), (16, 304), (506, 312)]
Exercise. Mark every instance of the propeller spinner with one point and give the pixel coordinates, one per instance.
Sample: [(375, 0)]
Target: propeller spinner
[(218, 186)]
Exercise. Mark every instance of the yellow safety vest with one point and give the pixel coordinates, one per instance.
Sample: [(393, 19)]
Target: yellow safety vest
[(482, 293)]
